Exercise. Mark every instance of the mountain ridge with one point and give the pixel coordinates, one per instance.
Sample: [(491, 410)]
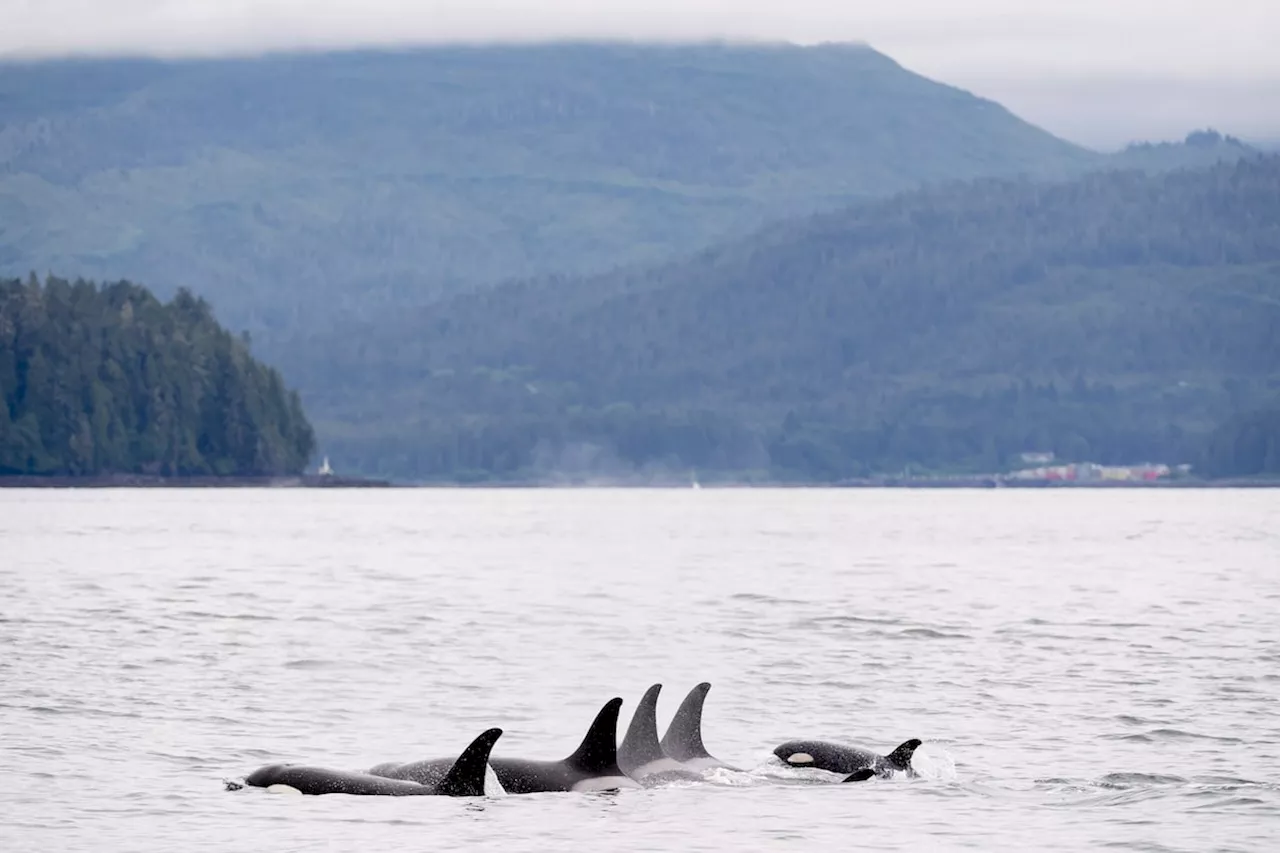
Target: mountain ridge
[(296, 188), (1120, 315), (413, 174), (315, 197)]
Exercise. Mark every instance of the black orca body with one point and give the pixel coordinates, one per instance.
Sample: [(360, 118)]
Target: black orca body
[(683, 740), (855, 763), (592, 767), (640, 756), (462, 778)]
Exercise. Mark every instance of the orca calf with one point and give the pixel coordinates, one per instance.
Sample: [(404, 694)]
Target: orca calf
[(856, 763), (592, 767), (640, 756), (683, 739), (464, 778)]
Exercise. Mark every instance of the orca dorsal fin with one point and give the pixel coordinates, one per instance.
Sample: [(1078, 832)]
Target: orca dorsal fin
[(900, 758), (466, 777), (598, 752), (641, 746), (683, 740)]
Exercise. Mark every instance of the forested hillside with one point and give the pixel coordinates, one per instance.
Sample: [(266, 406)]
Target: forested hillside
[(299, 191), (1247, 445), (324, 202), (107, 381), (1119, 317)]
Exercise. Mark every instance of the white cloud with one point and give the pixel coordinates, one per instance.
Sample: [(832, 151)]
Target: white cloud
[(1015, 47), (1229, 36)]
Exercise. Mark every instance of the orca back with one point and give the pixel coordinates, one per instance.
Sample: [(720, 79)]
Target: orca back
[(315, 781)]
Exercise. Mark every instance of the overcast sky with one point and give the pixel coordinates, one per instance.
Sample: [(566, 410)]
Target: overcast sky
[(1101, 72)]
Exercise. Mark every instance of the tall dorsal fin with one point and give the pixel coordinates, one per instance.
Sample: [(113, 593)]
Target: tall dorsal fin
[(598, 752), (466, 777), (641, 746), (900, 758), (683, 740)]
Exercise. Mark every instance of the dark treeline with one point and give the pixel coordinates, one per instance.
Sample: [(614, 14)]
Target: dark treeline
[(1117, 318), (1247, 445), (104, 381)]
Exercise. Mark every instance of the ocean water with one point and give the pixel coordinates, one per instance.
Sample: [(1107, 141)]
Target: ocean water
[(1087, 669)]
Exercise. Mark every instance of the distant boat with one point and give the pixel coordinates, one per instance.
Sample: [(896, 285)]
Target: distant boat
[(325, 470)]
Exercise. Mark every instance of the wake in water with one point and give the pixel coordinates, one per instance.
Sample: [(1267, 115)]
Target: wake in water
[(1197, 792)]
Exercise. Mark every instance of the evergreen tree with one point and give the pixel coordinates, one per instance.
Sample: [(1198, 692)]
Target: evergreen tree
[(110, 380)]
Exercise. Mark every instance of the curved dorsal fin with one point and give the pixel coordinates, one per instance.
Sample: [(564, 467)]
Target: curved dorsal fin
[(900, 758), (641, 746), (683, 740), (466, 777), (598, 752)]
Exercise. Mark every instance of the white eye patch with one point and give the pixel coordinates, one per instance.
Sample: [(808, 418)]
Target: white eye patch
[(800, 758)]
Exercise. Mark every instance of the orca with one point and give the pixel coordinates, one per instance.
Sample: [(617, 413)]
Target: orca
[(640, 756), (683, 739), (592, 767), (464, 778), (855, 763)]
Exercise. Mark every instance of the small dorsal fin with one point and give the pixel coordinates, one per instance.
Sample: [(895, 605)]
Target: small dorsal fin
[(641, 746), (466, 777), (683, 740), (860, 775), (900, 758), (598, 752)]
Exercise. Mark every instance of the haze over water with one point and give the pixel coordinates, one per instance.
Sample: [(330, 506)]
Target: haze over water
[(1086, 669)]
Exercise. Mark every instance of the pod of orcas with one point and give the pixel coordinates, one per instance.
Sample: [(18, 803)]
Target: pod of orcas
[(599, 763)]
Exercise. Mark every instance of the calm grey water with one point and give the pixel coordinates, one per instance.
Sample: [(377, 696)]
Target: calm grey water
[(1087, 669)]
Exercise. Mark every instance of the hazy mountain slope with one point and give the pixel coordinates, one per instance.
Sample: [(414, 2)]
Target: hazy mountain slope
[(1119, 316), (292, 190)]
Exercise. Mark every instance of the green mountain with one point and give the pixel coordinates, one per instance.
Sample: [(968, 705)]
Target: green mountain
[(318, 199), (112, 381), (1119, 317), (299, 191)]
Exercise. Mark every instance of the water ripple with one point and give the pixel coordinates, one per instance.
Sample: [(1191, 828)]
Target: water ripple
[(1076, 688)]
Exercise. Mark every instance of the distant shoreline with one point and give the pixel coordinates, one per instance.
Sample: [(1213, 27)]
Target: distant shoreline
[(330, 480), (314, 481), (142, 481), (995, 483)]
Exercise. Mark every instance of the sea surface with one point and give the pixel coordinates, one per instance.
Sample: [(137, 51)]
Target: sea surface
[(1088, 669)]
